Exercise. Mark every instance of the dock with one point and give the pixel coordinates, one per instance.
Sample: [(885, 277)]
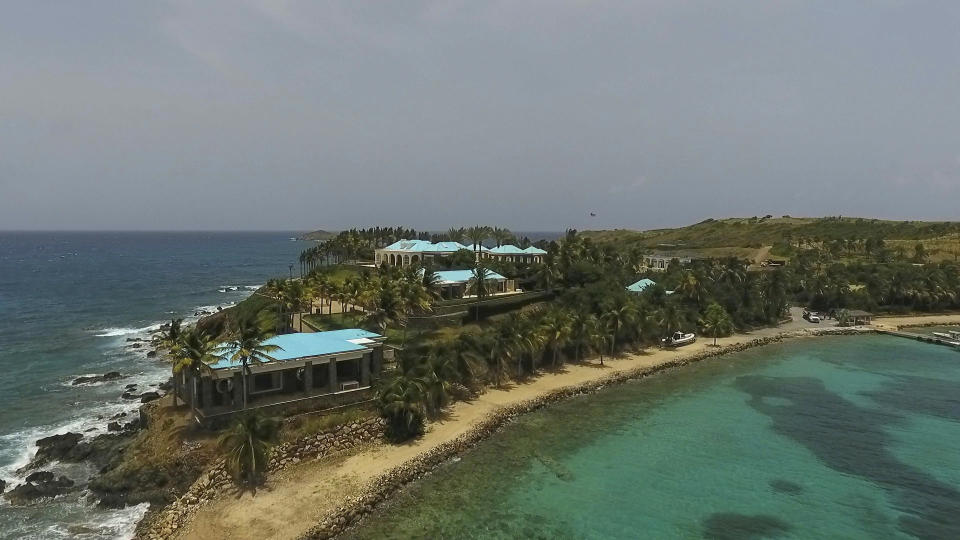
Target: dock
[(921, 337)]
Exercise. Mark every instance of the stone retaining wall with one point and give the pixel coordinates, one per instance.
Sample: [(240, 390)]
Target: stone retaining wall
[(215, 482), (389, 483)]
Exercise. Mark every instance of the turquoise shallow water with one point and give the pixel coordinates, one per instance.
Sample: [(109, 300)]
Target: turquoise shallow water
[(845, 437)]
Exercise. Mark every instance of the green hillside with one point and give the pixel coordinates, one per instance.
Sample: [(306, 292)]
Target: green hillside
[(734, 235)]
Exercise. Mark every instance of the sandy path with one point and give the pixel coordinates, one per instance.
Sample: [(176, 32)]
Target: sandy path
[(892, 323)]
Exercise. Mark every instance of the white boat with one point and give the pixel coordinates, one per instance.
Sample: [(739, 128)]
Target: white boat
[(954, 333), (679, 339), (943, 335)]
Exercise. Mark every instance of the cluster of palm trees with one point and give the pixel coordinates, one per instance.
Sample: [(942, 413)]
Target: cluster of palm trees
[(354, 244), (246, 444), (518, 345), (193, 350), (386, 297), (897, 287)]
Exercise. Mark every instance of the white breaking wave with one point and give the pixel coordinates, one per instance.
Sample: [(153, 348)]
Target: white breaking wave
[(117, 332)]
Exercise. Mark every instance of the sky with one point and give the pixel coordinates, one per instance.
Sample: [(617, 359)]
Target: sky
[(289, 115)]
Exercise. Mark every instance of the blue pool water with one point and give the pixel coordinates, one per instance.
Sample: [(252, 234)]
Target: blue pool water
[(68, 302), (844, 437)]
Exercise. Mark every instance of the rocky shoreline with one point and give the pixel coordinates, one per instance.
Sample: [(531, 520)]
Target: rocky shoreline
[(216, 482), (103, 452)]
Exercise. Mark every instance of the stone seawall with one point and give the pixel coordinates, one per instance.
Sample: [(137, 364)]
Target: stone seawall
[(216, 481), (386, 485)]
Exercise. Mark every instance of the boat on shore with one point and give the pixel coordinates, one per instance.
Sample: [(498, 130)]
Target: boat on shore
[(678, 339)]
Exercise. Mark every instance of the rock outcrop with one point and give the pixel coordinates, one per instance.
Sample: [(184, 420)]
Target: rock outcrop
[(39, 485), (90, 379)]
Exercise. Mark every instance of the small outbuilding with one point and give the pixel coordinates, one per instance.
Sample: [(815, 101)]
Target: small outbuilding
[(640, 286)]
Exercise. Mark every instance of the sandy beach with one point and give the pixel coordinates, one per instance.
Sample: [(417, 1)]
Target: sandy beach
[(299, 497)]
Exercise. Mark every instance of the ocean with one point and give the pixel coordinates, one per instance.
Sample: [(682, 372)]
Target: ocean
[(68, 304), (841, 437)]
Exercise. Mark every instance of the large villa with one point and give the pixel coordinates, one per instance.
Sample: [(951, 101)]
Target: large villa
[(414, 252), (309, 371)]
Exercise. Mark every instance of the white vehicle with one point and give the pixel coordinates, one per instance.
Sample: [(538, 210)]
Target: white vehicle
[(678, 339), (814, 318)]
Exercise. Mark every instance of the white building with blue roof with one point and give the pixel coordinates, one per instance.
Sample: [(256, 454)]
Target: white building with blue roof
[(308, 371), (458, 283), (514, 254), (413, 252)]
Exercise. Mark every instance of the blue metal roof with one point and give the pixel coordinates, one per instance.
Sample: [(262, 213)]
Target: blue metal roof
[(305, 345), (508, 249), (425, 246), (641, 285), (534, 251), (447, 277)]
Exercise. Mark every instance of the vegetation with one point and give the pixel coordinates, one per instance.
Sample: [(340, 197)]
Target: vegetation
[(782, 232), (193, 351), (716, 322), (246, 347), (246, 447)]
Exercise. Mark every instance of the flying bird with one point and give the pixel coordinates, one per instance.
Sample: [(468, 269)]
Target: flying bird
[(593, 214)]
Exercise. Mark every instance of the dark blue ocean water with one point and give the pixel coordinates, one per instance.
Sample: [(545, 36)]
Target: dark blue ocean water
[(68, 302)]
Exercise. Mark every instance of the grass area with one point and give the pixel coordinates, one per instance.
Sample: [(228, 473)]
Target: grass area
[(337, 321), (338, 273), (254, 306)]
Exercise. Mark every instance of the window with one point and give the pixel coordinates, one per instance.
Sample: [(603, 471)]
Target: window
[(266, 382)]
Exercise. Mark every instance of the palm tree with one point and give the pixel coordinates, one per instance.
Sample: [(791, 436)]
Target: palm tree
[(469, 352), (294, 295), (400, 400), (248, 346), (389, 307), (524, 338), (431, 283), (502, 236), (546, 274), (500, 348), (690, 286), (194, 351), (620, 314), (438, 372), (477, 234), (557, 327), (599, 336), (455, 234), (478, 285), (247, 447), (581, 326), (716, 322), (670, 318), (169, 338)]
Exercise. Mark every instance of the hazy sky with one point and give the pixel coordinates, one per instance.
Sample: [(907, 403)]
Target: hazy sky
[(262, 114)]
